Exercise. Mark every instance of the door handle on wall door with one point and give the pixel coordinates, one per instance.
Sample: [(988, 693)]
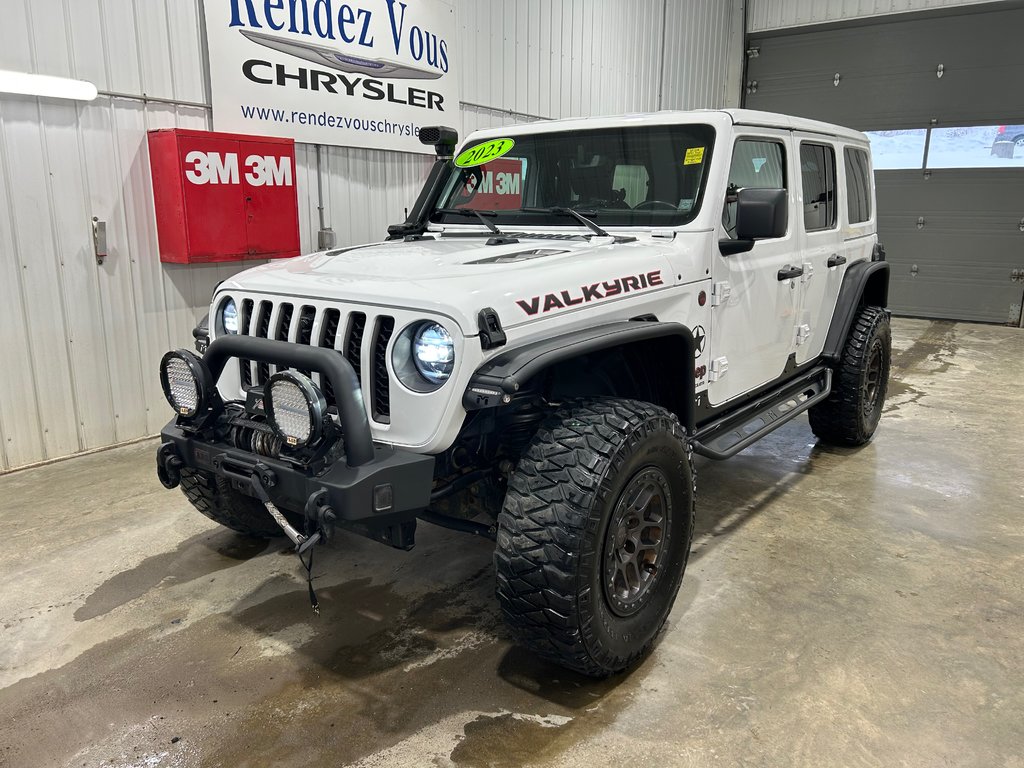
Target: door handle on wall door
[(788, 272), (835, 260)]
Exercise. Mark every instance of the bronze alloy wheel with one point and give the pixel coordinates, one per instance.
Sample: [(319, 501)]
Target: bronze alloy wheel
[(873, 378), (636, 538)]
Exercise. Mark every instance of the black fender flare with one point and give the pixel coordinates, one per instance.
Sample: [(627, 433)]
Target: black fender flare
[(865, 282), (501, 377)]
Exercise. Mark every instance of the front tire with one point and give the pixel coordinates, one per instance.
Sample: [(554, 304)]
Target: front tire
[(850, 415), (595, 533)]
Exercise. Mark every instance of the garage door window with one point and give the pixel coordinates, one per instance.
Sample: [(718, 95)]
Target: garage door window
[(898, 150), (979, 146), (858, 185), (818, 176)]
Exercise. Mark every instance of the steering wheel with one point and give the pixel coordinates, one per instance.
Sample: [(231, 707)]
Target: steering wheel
[(654, 205)]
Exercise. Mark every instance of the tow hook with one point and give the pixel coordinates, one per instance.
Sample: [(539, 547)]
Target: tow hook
[(168, 465)]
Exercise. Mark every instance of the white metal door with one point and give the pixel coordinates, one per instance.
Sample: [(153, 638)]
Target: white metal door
[(754, 312), (824, 256)]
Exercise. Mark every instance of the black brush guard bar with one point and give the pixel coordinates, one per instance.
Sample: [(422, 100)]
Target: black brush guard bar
[(327, 362)]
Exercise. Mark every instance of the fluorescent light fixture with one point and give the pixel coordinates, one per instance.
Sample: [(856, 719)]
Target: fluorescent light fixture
[(45, 85)]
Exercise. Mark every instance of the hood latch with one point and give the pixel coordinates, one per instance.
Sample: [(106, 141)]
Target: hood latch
[(491, 333)]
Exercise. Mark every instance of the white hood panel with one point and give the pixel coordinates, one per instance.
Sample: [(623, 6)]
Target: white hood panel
[(440, 277)]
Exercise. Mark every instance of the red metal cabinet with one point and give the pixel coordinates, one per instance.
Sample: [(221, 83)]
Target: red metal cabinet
[(223, 196)]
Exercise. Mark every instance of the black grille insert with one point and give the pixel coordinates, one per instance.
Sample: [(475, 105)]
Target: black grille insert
[(244, 316), (304, 333), (381, 381), (354, 342), (262, 330), (329, 338), (284, 322)]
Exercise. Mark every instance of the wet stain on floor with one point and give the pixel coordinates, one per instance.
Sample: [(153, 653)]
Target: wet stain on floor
[(937, 340), (498, 741), (193, 558), (931, 354), (270, 681)]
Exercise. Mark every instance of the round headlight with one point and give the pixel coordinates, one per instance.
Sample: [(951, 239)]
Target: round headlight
[(433, 351), (295, 407), (229, 317), (185, 381)]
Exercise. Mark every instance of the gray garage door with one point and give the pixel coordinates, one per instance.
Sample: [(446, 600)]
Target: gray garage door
[(941, 97)]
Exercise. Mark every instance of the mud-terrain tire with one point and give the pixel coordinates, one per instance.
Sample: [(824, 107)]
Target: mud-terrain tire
[(849, 416), (594, 481), (214, 497)]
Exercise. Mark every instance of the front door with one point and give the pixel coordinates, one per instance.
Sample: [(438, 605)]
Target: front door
[(754, 306)]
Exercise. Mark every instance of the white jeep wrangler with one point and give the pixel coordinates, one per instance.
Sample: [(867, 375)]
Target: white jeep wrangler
[(570, 311)]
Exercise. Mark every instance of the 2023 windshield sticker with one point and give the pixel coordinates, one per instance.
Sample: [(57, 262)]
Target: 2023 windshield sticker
[(484, 152)]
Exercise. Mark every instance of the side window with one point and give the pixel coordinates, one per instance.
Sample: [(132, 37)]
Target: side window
[(758, 164), (818, 176), (858, 185)]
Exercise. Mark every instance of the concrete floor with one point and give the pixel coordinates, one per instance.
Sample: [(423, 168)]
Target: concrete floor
[(842, 607)]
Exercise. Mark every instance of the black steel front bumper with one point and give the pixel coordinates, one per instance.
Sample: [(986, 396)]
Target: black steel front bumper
[(376, 487)]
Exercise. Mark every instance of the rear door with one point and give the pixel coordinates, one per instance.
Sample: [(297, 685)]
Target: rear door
[(823, 258)]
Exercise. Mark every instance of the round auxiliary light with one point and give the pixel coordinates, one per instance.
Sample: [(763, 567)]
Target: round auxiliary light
[(229, 317), (185, 381), (433, 351), (296, 408)]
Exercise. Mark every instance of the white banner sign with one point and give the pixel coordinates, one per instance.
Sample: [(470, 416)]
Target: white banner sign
[(359, 73)]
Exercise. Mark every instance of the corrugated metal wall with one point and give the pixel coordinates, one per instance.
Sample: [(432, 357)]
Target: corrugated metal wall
[(765, 15), (81, 342)]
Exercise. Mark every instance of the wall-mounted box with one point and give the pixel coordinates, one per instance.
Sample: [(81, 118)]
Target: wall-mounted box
[(223, 196)]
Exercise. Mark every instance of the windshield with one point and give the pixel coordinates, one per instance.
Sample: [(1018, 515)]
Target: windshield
[(631, 176)]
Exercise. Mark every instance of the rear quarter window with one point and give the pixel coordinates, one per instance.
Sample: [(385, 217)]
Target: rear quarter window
[(858, 185)]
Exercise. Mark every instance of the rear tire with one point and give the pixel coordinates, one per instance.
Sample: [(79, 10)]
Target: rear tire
[(595, 533), (850, 415), (214, 497)]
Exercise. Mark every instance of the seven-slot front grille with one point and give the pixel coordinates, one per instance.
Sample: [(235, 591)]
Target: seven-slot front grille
[(330, 328)]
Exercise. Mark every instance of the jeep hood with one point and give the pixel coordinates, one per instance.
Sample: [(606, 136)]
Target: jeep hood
[(459, 276)]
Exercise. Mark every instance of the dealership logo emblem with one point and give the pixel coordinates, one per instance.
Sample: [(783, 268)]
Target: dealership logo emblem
[(332, 57)]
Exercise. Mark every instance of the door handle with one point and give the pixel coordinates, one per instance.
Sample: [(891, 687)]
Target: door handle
[(835, 260), (788, 272)]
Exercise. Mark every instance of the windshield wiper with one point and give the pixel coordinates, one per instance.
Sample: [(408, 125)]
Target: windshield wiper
[(473, 212), (559, 211)]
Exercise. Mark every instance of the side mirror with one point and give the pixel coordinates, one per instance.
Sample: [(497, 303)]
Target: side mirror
[(760, 214)]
